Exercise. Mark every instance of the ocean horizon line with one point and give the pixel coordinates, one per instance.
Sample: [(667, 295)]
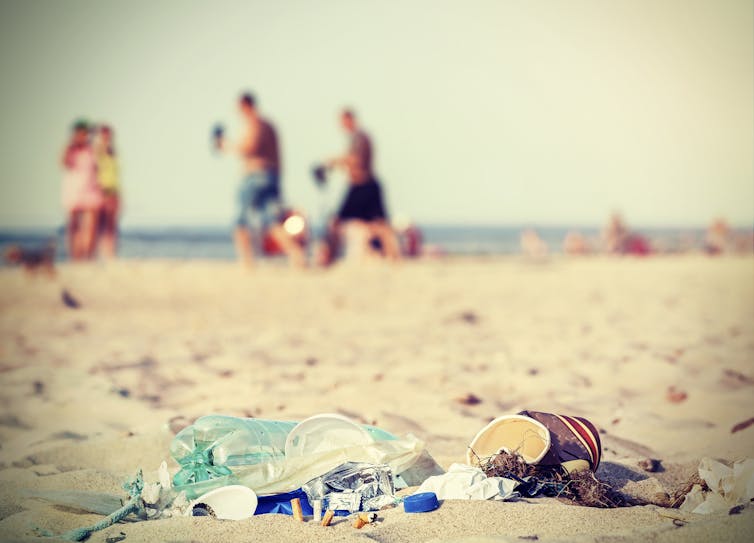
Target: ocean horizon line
[(429, 225)]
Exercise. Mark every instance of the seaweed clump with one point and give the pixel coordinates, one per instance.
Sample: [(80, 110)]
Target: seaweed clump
[(677, 497), (579, 487)]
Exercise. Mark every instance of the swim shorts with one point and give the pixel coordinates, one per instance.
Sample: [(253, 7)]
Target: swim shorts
[(363, 202), (259, 197)]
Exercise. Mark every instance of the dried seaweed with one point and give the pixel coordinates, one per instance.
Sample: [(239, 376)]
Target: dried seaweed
[(584, 488), (505, 465), (676, 499), (580, 487)]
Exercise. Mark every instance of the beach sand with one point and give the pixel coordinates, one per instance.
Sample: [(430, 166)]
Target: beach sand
[(658, 353)]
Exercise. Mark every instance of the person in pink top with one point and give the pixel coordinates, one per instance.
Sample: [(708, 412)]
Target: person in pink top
[(82, 195)]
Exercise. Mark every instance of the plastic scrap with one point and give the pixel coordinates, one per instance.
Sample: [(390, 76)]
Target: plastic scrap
[(281, 504), (728, 487), (89, 502), (463, 482), (353, 486)]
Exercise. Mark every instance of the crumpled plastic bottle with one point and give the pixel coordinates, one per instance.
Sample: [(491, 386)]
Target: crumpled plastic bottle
[(208, 449)]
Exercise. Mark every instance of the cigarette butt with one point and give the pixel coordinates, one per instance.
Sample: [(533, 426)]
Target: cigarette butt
[(298, 514), (359, 522), (329, 514), (368, 517)]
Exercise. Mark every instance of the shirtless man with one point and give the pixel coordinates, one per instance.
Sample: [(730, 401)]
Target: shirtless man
[(363, 204), (260, 187)]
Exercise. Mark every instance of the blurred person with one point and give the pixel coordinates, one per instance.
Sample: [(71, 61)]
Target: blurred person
[(718, 238), (325, 234), (411, 241), (327, 243), (362, 213), (615, 234), (259, 191), (532, 245), (618, 239), (81, 194), (108, 177), (575, 243), (744, 242)]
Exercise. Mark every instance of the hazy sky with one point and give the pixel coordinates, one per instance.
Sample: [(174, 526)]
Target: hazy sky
[(544, 112)]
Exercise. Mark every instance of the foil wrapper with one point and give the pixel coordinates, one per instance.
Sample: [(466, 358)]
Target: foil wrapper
[(354, 486)]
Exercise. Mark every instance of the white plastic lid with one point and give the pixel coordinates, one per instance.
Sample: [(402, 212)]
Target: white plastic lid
[(325, 432), (233, 502)]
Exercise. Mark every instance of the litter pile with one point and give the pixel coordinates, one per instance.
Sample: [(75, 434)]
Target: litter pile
[(328, 466), (233, 468)]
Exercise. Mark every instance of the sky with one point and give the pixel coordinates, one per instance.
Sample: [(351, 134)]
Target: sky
[(482, 112)]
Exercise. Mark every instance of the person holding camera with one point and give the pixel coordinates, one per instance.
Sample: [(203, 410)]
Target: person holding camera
[(363, 207), (259, 191)]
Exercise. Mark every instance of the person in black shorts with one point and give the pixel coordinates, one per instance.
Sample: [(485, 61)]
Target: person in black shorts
[(363, 205)]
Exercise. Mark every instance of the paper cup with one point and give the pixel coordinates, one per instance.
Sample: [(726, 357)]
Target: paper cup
[(512, 434)]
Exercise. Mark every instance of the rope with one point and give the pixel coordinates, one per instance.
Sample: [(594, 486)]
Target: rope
[(134, 505)]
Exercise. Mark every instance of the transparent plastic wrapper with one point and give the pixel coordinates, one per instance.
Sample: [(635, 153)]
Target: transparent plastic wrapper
[(353, 486), (728, 486)]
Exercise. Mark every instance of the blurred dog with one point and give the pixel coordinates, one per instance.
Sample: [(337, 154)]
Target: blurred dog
[(33, 261)]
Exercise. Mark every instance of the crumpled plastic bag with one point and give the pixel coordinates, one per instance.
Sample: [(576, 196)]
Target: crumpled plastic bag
[(728, 487), (463, 482)]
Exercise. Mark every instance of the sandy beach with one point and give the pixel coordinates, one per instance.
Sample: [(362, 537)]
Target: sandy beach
[(656, 352)]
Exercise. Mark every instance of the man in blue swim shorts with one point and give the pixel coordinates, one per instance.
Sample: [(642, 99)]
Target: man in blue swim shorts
[(259, 191)]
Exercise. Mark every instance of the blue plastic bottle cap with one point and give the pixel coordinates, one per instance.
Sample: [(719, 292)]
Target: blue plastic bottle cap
[(421, 503)]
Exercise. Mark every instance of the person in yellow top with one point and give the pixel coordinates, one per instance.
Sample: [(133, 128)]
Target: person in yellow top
[(109, 182)]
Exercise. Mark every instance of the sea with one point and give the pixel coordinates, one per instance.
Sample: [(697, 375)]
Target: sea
[(214, 242)]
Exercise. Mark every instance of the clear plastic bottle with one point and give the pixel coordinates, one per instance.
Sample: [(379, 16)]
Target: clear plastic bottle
[(207, 449)]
